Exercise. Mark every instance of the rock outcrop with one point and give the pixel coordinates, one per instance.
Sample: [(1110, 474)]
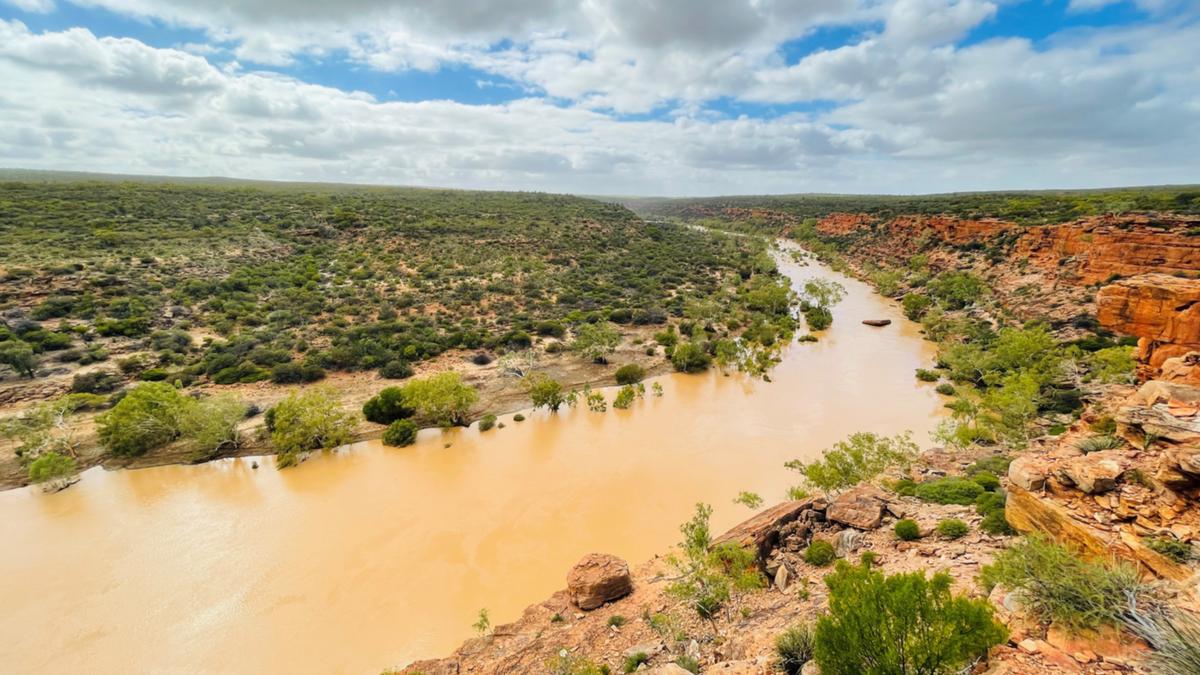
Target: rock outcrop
[(861, 507), (1163, 311), (761, 533), (597, 579)]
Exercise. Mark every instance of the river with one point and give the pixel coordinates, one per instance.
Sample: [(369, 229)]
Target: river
[(370, 557)]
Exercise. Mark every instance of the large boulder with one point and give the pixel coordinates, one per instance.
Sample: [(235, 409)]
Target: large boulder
[(761, 533), (1027, 473), (861, 507), (1094, 473), (597, 579)]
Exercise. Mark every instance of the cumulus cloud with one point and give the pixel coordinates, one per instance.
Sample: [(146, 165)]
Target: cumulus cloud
[(35, 6)]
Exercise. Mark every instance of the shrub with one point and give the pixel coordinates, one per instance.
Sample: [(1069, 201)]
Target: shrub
[(995, 523), (211, 425), (794, 648), (957, 290), (817, 317), (396, 370), (689, 357), (1061, 587), (518, 417), (51, 466), (986, 480), (1098, 443), (154, 375), (595, 340), (926, 375), (688, 663), (633, 661), (624, 398), (293, 373), (949, 491), (481, 359), (903, 623), (1179, 551), (819, 553), (545, 392), (709, 576), (915, 305), (149, 416), (616, 621), (96, 382), (989, 502), (487, 422), (400, 433), (907, 530), (996, 465), (861, 457), (308, 420), (444, 398), (1173, 634), (952, 528), (387, 406), (630, 374), (946, 389)]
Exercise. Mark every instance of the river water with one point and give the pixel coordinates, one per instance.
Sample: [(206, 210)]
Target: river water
[(370, 557)]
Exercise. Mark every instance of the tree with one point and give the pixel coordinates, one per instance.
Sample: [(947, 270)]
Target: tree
[(957, 290), (211, 425), (631, 373), (149, 416), (387, 406), (690, 357), (709, 578), (544, 391), (443, 398), (822, 292), (51, 466), (596, 340), (861, 457), (400, 433), (309, 420), (902, 624), (18, 355)]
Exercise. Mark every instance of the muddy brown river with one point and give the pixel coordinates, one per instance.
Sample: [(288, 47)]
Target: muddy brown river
[(370, 557)]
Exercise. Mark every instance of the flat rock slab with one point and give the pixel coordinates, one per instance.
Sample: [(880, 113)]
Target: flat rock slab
[(878, 323), (597, 579)]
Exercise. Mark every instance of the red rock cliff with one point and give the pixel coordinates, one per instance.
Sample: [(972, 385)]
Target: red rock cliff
[(1163, 311), (1094, 249)]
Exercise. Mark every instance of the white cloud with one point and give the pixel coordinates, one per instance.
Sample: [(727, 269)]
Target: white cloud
[(35, 6)]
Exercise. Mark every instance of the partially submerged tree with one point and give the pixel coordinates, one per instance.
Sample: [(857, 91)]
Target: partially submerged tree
[(308, 420), (444, 399)]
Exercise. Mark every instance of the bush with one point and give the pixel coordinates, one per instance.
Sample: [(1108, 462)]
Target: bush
[(989, 502), (518, 417), (903, 623), (487, 422), (819, 553), (481, 359), (907, 530), (861, 457), (1061, 587), (149, 416), (633, 661), (957, 290), (995, 523), (630, 374), (1179, 551), (51, 466), (396, 370), (211, 425), (624, 398), (688, 663), (946, 389), (387, 406), (996, 465), (689, 357), (952, 528), (444, 399), (1098, 443), (915, 305), (545, 392), (400, 433), (794, 647), (987, 480), (154, 375), (818, 318), (949, 491), (308, 420), (616, 621), (926, 375), (96, 382), (293, 373)]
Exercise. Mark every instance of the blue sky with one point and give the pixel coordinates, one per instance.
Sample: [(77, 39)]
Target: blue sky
[(647, 96)]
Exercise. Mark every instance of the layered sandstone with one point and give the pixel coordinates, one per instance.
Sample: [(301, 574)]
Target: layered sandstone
[(1163, 311), (1098, 248)]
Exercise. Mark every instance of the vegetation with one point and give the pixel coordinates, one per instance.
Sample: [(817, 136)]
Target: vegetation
[(794, 648), (907, 530), (710, 578), (952, 528), (387, 406), (819, 553), (1099, 442), (949, 490), (1061, 587), (904, 623), (487, 422), (150, 415), (1173, 634), (443, 399), (1178, 551), (630, 374), (750, 500), (400, 433), (545, 392), (51, 466), (861, 457), (211, 425), (308, 420)]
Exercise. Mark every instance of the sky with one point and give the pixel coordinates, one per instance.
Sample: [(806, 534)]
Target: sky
[(622, 97)]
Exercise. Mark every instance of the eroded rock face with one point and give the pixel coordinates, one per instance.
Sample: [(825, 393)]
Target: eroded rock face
[(761, 533), (1027, 473), (1096, 473), (1163, 311), (861, 507), (597, 579)]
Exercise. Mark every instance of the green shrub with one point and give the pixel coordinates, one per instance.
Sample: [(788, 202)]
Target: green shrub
[(633, 661), (294, 373), (989, 502), (545, 392), (902, 623), (995, 465), (861, 457), (995, 523), (915, 305), (819, 553), (952, 528), (154, 375), (96, 382), (211, 425), (949, 491), (818, 318), (51, 466), (387, 406), (926, 375), (624, 398), (907, 530), (518, 417), (1098, 443), (987, 480), (1061, 587), (149, 416), (487, 422), (688, 663), (308, 420), (946, 389), (794, 648), (905, 487), (1179, 551), (400, 433), (689, 357), (616, 621), (630, 374), (443, 399)]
